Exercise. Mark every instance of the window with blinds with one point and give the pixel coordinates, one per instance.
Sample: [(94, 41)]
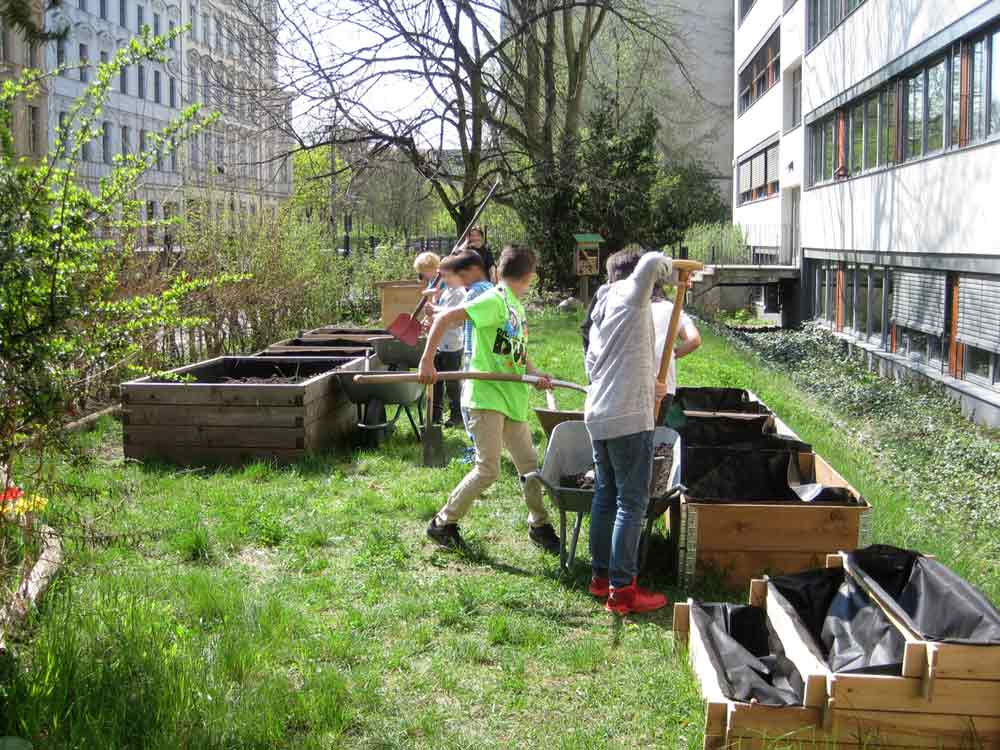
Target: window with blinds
[(979, 312), (918, 300), (758, 174)]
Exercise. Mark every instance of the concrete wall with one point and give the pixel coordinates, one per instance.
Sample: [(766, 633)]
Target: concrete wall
[(923, 207), (760, 123), (754, 28), (761, 221)]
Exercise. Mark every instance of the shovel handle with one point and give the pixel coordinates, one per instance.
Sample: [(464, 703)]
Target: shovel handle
[(412, 377), (684, 270), (550, 401)]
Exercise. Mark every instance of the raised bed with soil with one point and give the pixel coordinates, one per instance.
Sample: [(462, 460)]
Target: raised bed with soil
[(232, 410), (316, 347)]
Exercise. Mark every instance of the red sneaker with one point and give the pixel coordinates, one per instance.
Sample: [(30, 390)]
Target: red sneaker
[(599, 587), (632, 600)]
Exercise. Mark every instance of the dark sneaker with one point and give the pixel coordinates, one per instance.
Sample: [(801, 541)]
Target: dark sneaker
[(453, 422), (447, 535), (545, 537)]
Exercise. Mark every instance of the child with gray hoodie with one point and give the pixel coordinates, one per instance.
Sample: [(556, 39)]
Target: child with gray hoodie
[(620, 413)]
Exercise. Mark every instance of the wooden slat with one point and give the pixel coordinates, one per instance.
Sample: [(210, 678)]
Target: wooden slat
[(758, 592), (682, 620), (220, 416), (738, 567), (794, 528), (219, 437), (888, 693), (716, 704), (917, 729), (213, 393), (799, 647)]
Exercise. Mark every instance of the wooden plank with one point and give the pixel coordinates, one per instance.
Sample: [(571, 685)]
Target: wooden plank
[(335, 429), (758, 592), (795, 528), (681, 622), (708, 680), (799, 647), (889, 693), (219, 416), (917, 729), (737, 567), (758, 720), (230, 394), (218, 437), (187, 455)]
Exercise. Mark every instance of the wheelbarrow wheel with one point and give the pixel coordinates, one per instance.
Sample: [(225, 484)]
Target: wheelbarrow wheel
[(377, 431)]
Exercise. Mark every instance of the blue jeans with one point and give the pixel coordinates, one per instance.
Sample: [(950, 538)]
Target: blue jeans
[(621, 494)]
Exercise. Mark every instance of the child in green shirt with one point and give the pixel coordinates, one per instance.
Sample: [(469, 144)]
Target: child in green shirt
[(498, 411)]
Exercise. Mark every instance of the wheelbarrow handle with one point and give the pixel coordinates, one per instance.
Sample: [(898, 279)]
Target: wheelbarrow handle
[(412, 377)]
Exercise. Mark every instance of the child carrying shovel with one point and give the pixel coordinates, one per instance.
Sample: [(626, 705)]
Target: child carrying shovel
[(498, 411)]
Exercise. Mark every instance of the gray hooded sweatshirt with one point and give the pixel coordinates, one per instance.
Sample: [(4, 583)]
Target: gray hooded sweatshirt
[(620, 358)]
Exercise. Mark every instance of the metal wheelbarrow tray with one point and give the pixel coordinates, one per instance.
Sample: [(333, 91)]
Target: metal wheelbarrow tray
[(570, 452), (372, 399)]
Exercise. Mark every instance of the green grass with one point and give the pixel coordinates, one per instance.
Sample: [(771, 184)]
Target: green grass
[(304, 607)]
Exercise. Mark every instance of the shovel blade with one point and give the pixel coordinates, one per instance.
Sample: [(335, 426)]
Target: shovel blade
[(406, 329), (433, 441)]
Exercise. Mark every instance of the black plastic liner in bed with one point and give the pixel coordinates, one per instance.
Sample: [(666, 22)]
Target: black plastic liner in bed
[(851, 631), (747, 474), (928, 597), (734, 400), (755, 430), (747, 656)]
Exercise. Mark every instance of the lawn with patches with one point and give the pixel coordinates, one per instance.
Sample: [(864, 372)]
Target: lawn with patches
[(304, 607)]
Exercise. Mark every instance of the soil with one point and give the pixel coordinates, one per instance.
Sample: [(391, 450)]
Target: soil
[(273, 380), (584, 481), (664, 450)]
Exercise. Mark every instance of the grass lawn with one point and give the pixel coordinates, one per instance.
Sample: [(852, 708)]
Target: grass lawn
[(304, 607)]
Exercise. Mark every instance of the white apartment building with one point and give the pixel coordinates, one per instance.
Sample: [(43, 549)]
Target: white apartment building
[(867, 151), (236, 163)]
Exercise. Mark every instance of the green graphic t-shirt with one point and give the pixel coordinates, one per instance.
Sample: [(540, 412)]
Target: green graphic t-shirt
[(499, 344)]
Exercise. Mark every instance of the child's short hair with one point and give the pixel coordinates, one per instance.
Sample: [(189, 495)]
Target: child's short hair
[(463, 261), (516, 262), (478, 230), (426, 262), (620, 265)]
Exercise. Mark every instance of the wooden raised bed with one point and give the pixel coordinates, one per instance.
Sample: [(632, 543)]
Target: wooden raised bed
[(739, 541), (317, 347), (844, 711), (197, 416)]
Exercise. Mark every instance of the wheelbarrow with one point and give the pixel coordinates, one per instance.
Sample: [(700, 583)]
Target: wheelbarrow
[(571, 452), (372, 399)]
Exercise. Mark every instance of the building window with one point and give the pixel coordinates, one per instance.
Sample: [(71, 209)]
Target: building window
[(796, 97), (84, 64), (106, 143), (172, 87), (123, 13), (126, 137), (60, 52), (104, 57), (142, 141), (141, 78), (171, 28), (937, 89), (156, 24), (218, 34), (979, 365), (103, 9), (826, 15), (34, 130), (876, 300), (82, 5), (761, 73), (140, 17), (915, 115), (758, 175), (157, 91), (204, 29), (857, 124), (173, 156), (745, 6), (824, 149), (123, 80), (995, 84)]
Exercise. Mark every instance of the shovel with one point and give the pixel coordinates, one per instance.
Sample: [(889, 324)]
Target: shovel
[(684, 270), (413, 377), (433, 440), (405, 327)]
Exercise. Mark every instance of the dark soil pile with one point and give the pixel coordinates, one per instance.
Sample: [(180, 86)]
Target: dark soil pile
[(273, 380), (584, 481)]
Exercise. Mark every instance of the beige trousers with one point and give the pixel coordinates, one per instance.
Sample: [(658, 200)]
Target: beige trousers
[(493, 431)]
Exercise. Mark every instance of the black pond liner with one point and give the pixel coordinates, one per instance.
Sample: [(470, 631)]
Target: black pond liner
[(851, 631), (929, 598), (752, 431), (746, 654), (748, 474), (735, 400)]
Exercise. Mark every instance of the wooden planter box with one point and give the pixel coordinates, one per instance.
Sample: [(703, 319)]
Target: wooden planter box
[(399, 297), (846, 710), (201, 419), (739, 541), (316, 347)]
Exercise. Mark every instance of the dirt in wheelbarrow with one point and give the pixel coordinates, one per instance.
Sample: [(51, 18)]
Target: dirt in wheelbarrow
[(585, 480), (273, 380)]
